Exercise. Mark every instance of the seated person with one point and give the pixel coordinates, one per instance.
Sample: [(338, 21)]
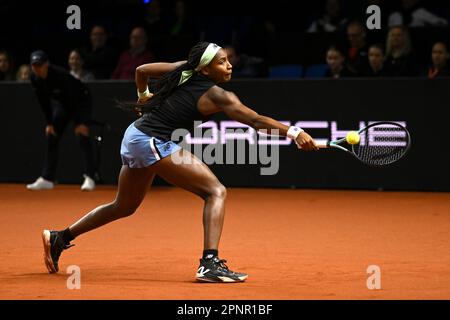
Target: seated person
[(358, 49), (331, 20), (439, 58), (400, 61), (76, 63), (376, 62), (336, 64), (137, 55), (413, 14), (100, 58), (6, 67), (24, 73)]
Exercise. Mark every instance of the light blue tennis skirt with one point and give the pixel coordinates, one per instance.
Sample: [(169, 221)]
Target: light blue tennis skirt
[(139, 150)]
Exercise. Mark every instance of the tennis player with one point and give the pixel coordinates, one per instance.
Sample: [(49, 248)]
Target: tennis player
[(186, 91)]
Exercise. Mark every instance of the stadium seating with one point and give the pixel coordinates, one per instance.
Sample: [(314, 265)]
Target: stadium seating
[(286, 71), (316, 71)]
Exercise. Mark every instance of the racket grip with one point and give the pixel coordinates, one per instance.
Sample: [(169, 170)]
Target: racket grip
[(323, 145)]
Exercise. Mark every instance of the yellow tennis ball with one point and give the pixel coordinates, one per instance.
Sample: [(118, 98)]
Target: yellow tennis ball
[(352, 137)]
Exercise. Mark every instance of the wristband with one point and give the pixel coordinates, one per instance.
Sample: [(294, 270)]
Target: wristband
[(293, 132), (145, 94)]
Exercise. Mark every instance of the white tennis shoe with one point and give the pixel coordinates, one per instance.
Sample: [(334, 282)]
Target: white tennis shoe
[(88, 184), (41, 184)]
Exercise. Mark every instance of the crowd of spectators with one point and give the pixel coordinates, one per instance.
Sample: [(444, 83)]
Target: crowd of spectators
[(356, 56)]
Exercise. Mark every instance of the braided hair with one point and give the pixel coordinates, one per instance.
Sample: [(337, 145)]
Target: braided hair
[(168, 82)]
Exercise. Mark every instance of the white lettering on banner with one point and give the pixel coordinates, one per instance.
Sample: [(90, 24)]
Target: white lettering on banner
[(227, 132)]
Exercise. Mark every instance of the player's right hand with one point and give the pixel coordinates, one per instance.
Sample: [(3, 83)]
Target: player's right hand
[(50, 130), (305, 142)]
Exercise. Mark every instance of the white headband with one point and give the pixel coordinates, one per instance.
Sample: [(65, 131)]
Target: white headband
[(207, 57)]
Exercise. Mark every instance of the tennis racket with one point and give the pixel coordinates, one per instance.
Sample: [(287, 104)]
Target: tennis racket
[(380, 144)]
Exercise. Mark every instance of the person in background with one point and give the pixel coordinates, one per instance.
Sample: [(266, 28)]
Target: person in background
[(357, 53), (137, 55), (62, 98), (376, 62), (181, 23), (6, 66), (336, 64), (439, 58), (245, 66), (76, 63), (100, 58), (155, 24), (332, 19), (400, 61), (413, 14), (23, 74)]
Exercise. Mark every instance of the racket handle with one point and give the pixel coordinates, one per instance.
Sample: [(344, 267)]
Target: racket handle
[(323, 145)]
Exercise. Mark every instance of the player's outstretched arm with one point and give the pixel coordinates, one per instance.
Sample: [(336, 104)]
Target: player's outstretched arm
[(229, 103)]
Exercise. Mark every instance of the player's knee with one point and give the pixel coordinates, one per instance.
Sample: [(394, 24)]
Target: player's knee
[(128, 211), (219, 191)]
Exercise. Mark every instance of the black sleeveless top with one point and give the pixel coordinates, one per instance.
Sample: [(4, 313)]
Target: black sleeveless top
[(179, 110)]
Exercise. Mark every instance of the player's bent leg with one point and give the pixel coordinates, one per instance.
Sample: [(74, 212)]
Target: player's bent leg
[(193, 175), (133, 185)]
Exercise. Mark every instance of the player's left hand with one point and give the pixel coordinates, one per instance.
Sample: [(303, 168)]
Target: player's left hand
[(145, 99), (142, 101)]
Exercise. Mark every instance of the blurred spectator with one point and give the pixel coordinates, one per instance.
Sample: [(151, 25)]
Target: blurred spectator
[(400, 61), (136, 56), (100, 57), (76, 63), (181, 23), (358, 48), (439, 59), (23, 74), (155, 25), (336, 64), (245, 66), (153, 17), (376, 62), (332, 19), (179, 35), (413, 14), (6, 67)]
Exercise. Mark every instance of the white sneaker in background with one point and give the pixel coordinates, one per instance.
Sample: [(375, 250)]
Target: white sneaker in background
[(88, 184), (40, 184)]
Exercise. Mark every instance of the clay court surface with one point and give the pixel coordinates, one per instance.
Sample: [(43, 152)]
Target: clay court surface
[(294, 244)]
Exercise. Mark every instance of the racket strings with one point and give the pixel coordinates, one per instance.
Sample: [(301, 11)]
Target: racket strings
[(382, 145)]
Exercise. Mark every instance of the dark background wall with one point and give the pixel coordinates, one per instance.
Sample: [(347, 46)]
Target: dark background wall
[(31, 25), (422, 104)]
